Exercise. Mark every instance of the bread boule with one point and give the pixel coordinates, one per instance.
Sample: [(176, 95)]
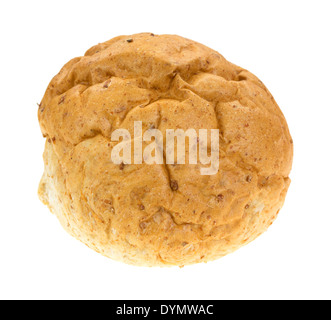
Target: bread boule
[(162, 214)]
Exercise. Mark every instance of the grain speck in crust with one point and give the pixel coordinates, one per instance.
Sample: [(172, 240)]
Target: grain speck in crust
[(162, 215)]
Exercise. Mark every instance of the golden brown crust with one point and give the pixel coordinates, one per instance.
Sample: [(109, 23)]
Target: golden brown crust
[(133, 213)]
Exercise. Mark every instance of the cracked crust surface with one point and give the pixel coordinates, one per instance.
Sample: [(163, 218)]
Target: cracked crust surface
[(162, 215)]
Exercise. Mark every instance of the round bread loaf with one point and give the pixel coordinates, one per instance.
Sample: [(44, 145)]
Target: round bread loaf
[(162, 214)]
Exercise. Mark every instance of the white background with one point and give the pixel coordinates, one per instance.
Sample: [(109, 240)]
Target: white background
[(285, 43)]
